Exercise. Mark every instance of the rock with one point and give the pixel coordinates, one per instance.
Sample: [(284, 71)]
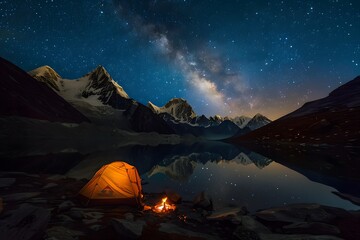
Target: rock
[(90, 221), (353, 199), (195, 216), (264, 236), (302, 213), (174, 197), (26, 222), (19, 196), (203, 201), (62, 233), (37, 200), (245, 234), (75, 214), (224, 213), (96, 227), (49, 185), (56, 177), (64, 218), (311, 228), (184, 233), (6, 182), (94, 215), (65, 205), (128, 229), (129, 216), (253, 225)]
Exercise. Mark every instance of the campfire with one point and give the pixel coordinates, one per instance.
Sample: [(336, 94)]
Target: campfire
[(164, 206)]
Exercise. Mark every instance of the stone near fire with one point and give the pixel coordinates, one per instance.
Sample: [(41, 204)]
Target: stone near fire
[(174, 197), (203, 201)]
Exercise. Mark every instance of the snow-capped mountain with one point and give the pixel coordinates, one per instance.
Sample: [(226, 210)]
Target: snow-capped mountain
[(21, 95), (103, 100), (178, 108), (241, 121), (96, 88), (202, 121), (258, 121)]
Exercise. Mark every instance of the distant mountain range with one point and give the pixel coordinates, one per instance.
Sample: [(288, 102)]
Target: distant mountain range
[(98, 99), (179, 114), (331, 120)]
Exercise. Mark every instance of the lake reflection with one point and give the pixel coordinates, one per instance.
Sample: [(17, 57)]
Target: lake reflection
[(235, 183), (230, 175)]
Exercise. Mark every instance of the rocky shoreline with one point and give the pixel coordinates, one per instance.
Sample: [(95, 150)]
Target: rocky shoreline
[(46, 207)]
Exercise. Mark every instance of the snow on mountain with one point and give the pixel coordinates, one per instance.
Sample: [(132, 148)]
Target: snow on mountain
[(179, 108), (258, 121), (96, 88), (46, 75), (241, 121), (23, 96), (100, 98), (217, 119)]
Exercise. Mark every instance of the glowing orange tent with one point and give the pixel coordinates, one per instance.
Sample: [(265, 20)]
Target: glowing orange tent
[(117, 182)]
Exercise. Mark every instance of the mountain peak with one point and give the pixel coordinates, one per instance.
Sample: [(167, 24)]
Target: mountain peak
[(179, 108), (176, 101), (258, 121), (258, 115), (45, 71), (46, 75), (99, 71), (100, 79)]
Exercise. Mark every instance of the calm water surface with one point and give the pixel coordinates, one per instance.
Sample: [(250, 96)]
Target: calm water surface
[(229, 175)]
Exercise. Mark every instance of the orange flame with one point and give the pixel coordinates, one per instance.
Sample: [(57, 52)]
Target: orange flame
[(164, 206)]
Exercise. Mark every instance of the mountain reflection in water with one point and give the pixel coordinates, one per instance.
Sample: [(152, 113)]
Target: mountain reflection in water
[(230, 175)]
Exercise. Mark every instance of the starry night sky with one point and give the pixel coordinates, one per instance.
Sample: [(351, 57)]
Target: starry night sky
[(225, 57)]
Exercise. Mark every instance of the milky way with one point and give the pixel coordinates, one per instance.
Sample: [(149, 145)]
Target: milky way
[(224, 57)]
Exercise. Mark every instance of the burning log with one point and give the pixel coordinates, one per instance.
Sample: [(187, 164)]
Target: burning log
[(164, 206)]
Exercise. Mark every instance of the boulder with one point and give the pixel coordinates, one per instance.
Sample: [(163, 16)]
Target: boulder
[(253, 225), (174, 197), (128, 229), (184, 233), (26, 222), (302, 213), (242, 233), (6, 182), (232, 214), (76, 214), (62, 233), (311, 228), (65, 205), (264, 236), (203, 201), (49, 185), (20, 196)]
